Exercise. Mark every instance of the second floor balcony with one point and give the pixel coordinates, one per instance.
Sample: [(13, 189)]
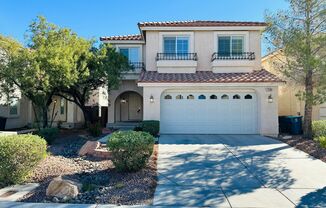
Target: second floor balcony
[(233, 56), (176, 62), (136, 67), (243, 61)]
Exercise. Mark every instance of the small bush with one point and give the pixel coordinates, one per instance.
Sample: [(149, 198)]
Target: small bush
[(49, 134), (19, 155), (319, 128), (130, 149), (95, 129), (322, 141), (152, 127)]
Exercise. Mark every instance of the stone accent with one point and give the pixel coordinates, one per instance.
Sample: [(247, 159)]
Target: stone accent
[(102, 153), (88, 148), (63, 188)]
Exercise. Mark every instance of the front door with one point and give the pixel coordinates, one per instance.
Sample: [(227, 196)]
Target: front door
[(131, 107), (135, 107)]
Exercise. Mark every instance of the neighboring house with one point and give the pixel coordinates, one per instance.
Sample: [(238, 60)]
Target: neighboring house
[(19, 113), (196, 77), (288, 103)]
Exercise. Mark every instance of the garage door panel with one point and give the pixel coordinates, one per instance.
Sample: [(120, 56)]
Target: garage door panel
[(209, 116)]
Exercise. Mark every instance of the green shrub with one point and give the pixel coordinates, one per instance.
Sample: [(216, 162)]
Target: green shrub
[(322, 141), (152, 127), (49, 134), (319, 128), (130, 149), (19, 155), (95, 129)]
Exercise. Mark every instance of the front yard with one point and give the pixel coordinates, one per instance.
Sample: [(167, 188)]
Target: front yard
[(100, 181)]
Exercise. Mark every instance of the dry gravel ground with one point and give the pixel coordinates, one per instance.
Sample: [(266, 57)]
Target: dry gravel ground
[(310, 147), (102, 184)]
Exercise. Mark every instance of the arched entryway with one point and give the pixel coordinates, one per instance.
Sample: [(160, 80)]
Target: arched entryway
[(129, 107)]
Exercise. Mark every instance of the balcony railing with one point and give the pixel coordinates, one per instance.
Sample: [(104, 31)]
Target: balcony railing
[(137, 66), (176, 56), (233, 56)]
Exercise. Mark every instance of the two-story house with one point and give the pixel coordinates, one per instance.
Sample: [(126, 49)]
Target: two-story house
[(196, 77)]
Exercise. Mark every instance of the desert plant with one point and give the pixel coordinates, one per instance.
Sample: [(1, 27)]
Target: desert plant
[(49, 134), (130, 149), (19, 155), (95, 129), (319, 128), (150, 126)]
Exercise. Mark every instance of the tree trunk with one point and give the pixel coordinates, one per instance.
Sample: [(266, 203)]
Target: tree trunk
[(45, 117), (88, 117), (307, 124)]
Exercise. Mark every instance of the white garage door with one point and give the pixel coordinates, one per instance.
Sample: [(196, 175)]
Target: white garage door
[(208, 113)]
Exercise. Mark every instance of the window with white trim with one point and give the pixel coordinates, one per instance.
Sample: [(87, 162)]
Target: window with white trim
[(176, 44), (230, 45), (132, 53), (62, 106), (14, 107)]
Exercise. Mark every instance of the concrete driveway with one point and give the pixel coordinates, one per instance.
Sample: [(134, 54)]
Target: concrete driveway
[(237, 171)]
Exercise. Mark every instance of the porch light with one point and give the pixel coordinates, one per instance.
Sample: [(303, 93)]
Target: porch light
[(151, 99), (123, 100), (270, 98)]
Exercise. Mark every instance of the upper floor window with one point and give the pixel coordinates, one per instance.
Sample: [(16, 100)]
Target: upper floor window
[(230, 45), (176, 44), (132, 53)]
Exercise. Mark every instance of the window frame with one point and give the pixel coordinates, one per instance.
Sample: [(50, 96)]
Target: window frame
[(173, 34), (176, 37), (244, 34), (10, 115), (139, 47), (64, 102)]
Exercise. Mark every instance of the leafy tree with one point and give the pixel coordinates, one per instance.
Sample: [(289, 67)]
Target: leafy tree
[(51, 61), (298, 35), (104, 68)]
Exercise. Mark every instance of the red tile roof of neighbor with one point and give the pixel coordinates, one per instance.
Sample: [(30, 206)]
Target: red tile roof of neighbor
[(123, 37), (208, 77), (199, 23)]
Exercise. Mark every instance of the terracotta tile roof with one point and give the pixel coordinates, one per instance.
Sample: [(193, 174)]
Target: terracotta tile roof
[(208, 77), (123, 37), (198, 23)]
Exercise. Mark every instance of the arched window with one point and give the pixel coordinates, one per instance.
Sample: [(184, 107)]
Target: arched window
[(213, 97), (167, 97), (224, 97), (236, 97), (248, 97), (190, 97), (201, 97), (179, 97)]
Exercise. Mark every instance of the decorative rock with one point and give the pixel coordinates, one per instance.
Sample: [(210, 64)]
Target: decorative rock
[(62, 188), (287, 137), (88, 148)]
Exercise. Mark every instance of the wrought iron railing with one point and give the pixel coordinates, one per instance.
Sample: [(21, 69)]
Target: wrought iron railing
[(176, 56), (137, 66), (233, 56)]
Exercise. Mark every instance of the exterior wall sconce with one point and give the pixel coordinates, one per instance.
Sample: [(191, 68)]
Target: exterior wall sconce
[(151, 99), (123, 100), (270, 98)]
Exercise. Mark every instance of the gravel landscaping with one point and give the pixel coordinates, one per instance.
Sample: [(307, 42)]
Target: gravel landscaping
[(101, 182), (310, 147)]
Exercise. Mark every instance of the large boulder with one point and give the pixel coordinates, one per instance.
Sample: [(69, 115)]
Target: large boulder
[(88, 148), (61, 188)]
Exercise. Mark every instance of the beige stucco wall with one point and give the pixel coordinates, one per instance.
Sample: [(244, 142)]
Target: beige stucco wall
[(21, 119), (267, 112), (289, 104), (126, 85), (204, 45)]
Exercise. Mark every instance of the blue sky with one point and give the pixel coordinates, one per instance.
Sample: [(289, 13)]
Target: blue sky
[(95, 18)]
